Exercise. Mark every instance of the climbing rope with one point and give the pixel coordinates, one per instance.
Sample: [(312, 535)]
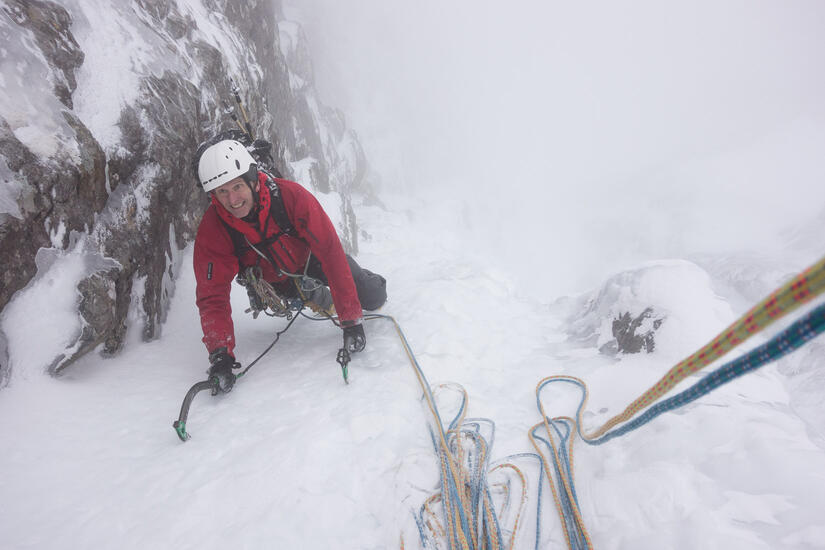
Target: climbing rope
[(557, 434), (791, 339), (468, 520), (561, 428), (457, 513), (566, 501), (271, 345), (800, 290), (507, 490)]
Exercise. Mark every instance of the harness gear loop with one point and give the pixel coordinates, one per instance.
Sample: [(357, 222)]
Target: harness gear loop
[(313, 292), (253, 280)]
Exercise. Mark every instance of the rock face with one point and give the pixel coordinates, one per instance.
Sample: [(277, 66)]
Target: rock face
[(630, 334), (100, 114)]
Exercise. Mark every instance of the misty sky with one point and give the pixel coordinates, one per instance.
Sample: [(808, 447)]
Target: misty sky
[(589, 136)]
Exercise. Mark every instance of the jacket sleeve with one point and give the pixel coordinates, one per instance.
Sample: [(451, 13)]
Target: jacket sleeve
[(215, 266), (315, 227)]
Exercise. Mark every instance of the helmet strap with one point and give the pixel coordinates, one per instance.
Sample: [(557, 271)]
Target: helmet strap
[(251, 178)]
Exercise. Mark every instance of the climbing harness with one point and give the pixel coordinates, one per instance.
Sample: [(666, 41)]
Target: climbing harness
[(314, 293), (274, 304)]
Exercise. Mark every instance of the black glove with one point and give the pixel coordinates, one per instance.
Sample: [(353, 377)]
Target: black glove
[(221, 369), (354, 339)]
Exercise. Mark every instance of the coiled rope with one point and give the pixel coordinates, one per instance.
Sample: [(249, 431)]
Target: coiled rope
[(562, 428), (469, 520), (567, 504)]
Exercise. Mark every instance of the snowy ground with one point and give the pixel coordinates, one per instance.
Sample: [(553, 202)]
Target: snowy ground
[(293, 458)]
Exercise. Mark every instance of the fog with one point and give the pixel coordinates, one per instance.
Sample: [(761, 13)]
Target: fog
[(580, 139)]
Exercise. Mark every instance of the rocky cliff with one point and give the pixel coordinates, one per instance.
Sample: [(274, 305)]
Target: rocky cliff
[(102, 104)]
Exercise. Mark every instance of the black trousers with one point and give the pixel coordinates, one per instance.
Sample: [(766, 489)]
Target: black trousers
[(371, 287)]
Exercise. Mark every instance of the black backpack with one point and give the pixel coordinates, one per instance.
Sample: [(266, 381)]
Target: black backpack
[(260, 149)]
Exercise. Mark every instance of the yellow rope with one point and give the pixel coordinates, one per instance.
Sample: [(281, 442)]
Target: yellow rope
[(438, 530), (800, 290), (522, 503), (446, 454), (452, 459)]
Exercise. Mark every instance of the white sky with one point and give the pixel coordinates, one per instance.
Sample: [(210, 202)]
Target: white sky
[(641, 129)]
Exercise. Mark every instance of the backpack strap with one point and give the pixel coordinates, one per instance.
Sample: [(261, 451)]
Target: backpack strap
[(277, 211), (239, 244)]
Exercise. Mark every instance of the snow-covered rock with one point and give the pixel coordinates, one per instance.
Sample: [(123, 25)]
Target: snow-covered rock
[(102, 105), (667, 305)]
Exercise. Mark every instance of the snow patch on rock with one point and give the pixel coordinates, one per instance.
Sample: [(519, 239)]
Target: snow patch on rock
[(48, 307)]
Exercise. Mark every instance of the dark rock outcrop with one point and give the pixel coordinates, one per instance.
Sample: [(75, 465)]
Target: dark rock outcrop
[(625, 328)]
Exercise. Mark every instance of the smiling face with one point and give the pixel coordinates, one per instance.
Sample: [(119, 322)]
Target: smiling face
[(236, 196)]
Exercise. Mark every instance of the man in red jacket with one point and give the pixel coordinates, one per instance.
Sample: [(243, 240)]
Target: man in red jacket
[(274, 225)]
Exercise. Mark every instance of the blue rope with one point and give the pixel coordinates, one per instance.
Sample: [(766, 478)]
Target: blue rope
[(539, 493), (450, 491), (791, 339), (570, 525)]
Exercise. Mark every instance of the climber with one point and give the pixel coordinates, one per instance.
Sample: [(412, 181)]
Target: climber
[(260, 221)]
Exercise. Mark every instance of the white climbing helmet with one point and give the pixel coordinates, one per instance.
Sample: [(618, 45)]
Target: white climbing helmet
[(223, 162)]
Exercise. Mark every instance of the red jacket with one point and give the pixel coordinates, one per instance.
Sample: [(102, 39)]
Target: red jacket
[(216, 264)]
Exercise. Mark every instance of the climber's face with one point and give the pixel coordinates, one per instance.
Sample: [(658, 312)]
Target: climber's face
[(236, 196)]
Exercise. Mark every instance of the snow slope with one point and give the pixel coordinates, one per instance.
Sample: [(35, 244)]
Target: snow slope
[(293, 458)]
